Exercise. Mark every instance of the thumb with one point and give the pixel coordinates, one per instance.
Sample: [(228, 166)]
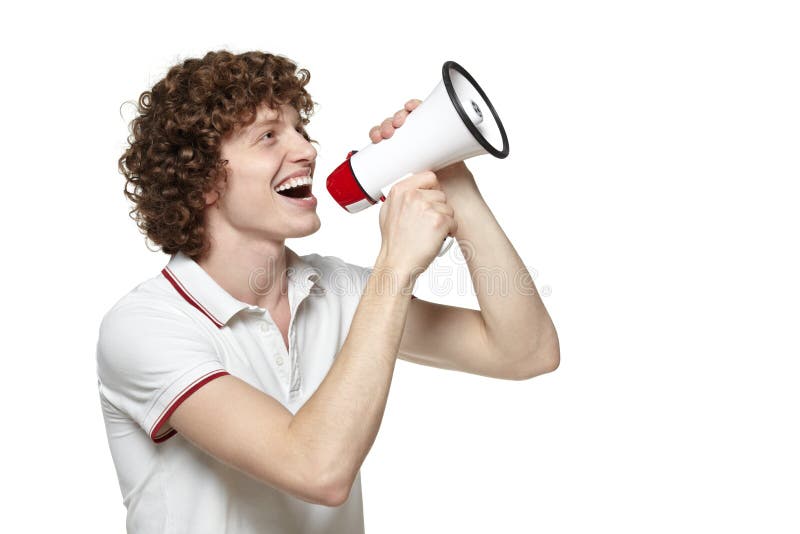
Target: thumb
[(422, 180)]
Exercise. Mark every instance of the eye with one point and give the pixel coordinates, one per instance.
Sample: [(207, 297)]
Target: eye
[(267, 135)]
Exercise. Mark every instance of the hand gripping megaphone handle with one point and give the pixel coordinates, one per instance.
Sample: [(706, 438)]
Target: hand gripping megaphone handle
[(448, 241)]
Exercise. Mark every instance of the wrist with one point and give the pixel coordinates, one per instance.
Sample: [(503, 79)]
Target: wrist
[(394, 276)]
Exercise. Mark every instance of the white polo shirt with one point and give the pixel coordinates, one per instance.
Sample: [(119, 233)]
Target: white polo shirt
[(176, 332)]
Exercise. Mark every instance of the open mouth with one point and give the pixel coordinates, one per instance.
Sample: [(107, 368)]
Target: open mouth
[(295, 187), (300, 191)]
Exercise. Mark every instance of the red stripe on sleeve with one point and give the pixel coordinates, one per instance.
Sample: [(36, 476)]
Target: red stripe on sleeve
[(177, 402)]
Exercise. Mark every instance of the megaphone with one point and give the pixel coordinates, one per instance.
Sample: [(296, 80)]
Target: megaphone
[(456, 122)]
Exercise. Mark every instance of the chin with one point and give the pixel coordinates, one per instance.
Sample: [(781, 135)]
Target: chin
[(305, 230)]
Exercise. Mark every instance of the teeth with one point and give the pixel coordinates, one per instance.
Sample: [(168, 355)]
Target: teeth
[(294, 182)]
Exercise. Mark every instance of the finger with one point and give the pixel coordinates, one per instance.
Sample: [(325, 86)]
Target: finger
[(412, 104), (422, 180), (375, 134), (399, 118), (433, 195), (453, 227), (443, 208), (446, 221), (387, 130)]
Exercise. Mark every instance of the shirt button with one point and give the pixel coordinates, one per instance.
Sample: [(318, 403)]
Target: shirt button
[(279, 360), (264, 326)]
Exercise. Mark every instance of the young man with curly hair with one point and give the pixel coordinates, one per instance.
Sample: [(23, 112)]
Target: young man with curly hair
[(243, 386)]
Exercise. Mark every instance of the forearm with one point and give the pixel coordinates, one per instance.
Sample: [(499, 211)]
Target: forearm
[(516, 321), (338, 424)]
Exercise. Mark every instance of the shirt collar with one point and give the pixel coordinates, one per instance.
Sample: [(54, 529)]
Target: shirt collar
[(197, 287)]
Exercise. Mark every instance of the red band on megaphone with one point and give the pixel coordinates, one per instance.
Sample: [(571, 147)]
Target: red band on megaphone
[(344, 187)]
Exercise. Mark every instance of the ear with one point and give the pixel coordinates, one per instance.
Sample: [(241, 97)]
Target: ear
[(212, 197)]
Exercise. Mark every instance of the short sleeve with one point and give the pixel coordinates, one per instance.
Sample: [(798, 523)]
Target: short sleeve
[(149, 360)]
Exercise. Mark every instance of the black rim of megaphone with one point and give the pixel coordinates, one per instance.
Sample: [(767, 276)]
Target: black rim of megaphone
[(463, 114)]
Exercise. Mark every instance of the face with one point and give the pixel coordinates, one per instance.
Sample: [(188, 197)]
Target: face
[(260, 157)]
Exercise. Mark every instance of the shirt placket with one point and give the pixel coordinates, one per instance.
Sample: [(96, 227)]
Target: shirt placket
[(297, 293)]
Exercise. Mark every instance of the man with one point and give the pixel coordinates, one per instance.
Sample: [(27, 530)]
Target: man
[(244, 385)]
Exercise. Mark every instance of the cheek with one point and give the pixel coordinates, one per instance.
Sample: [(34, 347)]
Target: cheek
[(248, 182)]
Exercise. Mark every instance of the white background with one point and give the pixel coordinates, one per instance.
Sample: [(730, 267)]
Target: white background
[(651, 188)]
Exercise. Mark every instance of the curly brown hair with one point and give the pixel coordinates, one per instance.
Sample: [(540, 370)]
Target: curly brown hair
[(175, 140)]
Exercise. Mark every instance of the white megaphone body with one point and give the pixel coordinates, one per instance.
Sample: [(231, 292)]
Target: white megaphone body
[(454, 123)]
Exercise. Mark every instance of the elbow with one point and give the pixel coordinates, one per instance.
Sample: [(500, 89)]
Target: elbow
[(337, 497), (333, 495), (545, 359), (552, 361), (322, 475), (332, 489)]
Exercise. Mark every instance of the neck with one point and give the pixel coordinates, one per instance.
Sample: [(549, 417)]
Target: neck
[(251, 271)]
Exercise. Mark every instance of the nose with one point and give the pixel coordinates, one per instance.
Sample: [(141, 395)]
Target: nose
[(302, 149)]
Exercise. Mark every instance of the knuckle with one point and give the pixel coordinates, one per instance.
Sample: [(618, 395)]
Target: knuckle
[(439, 219)]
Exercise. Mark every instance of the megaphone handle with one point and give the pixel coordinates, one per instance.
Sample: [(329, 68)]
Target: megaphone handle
[(448, 242)]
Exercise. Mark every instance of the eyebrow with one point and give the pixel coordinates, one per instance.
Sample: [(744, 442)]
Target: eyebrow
[(265, 122), (259, 124)]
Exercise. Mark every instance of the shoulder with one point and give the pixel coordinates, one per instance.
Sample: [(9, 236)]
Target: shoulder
[(145, 322), (147, 301)]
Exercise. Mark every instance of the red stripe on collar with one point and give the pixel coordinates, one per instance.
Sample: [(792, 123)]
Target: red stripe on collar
[(169, 275)]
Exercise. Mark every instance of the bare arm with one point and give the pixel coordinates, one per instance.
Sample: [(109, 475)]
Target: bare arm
[(316, 454), (339, 423), (517, 327), (512, 335)]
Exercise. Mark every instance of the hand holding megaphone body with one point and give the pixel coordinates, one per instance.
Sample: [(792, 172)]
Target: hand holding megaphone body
[(414, 219), (455, 122)]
